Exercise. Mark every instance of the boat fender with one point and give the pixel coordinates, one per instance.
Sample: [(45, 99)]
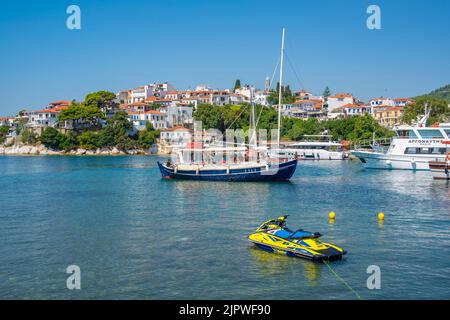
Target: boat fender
[(197, 171), (413, 161), (448, 157), (267, 167), (175, 169), (388, 162), (228, 169)]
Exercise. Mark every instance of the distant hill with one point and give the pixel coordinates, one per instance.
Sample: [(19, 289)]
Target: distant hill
[(441, 93)]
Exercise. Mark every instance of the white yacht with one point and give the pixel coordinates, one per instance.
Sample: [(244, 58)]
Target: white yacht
[(411, 149), (316, 147)]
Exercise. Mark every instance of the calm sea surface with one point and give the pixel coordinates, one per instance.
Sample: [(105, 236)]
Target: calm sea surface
[(136, 236)]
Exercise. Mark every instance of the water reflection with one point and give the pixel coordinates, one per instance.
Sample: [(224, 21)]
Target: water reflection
[(275, 265)]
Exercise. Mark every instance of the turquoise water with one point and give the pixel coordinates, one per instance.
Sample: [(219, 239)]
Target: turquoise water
[(136, 236)]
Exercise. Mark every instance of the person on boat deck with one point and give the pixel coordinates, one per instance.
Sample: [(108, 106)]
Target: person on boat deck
[(168, 163)]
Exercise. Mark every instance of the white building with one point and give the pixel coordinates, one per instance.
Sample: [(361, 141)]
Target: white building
[(123, 96), (143, 93), (381, 101), (140, 119), (261, 98), (177, 136), (178, 115), (403, 102), (42, 118), (339, 100), (236, 98), (355, 109)]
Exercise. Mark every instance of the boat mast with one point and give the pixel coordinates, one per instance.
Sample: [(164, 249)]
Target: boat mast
[(252, 141), (279, 91)]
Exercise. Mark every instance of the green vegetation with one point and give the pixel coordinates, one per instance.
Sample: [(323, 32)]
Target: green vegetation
[(28, 136), (237, 84), (147, 137), (442, 93), (286, 95), (237, 117), (82, 113), (439, 110), (89, 140), (104, 100), (114, 134), (326, 92), (3, 133), (56, 140)]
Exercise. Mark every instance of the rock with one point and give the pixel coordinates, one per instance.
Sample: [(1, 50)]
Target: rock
[(115, 151), (80, 151), (90, 152)]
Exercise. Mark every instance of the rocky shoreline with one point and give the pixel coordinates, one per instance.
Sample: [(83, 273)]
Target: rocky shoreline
[(43, 150)]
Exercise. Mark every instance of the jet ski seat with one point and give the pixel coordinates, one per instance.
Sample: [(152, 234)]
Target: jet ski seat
[(285, 234)]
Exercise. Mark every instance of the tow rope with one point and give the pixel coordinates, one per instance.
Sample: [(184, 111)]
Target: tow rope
[(343, 281)]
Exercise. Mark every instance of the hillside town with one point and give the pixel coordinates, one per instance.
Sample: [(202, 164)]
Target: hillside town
[(171, 111)]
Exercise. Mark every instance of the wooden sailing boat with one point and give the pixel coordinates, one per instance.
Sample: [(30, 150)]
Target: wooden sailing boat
[(206, 167)]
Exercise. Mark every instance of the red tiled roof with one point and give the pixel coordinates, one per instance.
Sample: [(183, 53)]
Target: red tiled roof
[(341, 95)]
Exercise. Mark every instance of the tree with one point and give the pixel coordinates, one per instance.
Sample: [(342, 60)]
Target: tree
[(4, 130), (286, 95), (28, 136), (82, 113), (326, 92), (104, 100), (237, 84), (356, 128), (148, 136), (88, 140), (69, 141), (51, 138), (439, 110), (116, 133), (301, 128)]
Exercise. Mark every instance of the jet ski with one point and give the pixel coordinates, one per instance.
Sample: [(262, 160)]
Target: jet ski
[(274, 236)]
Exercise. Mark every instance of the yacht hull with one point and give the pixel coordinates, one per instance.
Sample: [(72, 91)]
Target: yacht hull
[(280, 172), (377, 160)]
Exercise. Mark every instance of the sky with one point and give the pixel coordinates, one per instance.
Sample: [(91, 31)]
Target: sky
[(125, 44)]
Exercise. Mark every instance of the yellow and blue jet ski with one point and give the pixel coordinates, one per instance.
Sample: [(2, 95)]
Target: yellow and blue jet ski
[(274, 236)]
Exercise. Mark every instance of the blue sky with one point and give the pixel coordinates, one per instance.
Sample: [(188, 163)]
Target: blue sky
[(124, 44)]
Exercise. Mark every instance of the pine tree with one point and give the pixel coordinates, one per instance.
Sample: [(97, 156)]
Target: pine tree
[(237, 84), (326, 92)]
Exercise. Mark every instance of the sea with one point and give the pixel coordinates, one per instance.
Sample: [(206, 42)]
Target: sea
[(129, 234)]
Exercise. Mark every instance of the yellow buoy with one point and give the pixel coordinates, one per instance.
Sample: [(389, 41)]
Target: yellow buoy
[(381, 216), (332, 215)]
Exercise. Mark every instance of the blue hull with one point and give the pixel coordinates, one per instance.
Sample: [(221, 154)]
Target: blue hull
[(285, 172)]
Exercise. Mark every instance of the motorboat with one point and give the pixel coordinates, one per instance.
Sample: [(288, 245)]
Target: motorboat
[(273, 236), (412, 148)]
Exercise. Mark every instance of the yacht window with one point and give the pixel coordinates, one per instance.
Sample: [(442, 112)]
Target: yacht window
[(427, 134), (412, 134), (425, 151)]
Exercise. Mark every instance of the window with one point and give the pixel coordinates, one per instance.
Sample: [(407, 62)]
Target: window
[(425, 150), (412, 134), (428, 134)]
